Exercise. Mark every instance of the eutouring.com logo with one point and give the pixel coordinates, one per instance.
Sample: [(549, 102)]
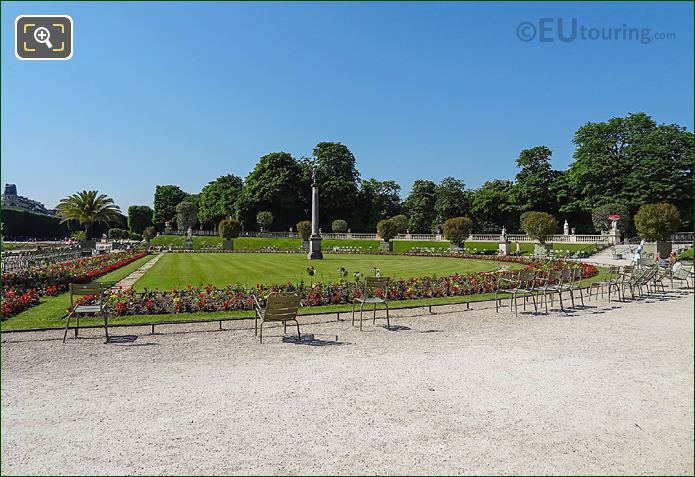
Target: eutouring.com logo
[(567, 30)]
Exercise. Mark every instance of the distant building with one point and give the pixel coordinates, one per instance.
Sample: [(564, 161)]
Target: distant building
[(11, 199)]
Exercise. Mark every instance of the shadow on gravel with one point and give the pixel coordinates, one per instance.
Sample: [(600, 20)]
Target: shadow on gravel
[(397, 328), (309, 339), (126, 340)]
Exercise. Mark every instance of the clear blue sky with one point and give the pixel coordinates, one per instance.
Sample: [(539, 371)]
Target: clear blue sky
[(160, 93)]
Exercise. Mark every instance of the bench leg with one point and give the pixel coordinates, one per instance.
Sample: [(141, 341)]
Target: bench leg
[(106, 327), (66, 327), (299, 336), (388, 323)]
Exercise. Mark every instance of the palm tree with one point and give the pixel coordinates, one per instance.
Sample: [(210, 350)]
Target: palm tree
[(88, 207)]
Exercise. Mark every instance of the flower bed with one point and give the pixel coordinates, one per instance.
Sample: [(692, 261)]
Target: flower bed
[(236, 297), (21, 290)]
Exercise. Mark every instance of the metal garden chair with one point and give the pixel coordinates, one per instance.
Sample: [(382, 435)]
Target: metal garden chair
[(96, 290), (279, 307), (371, 295)]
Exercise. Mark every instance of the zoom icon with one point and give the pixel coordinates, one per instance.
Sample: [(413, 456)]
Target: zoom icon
[(43, 37)]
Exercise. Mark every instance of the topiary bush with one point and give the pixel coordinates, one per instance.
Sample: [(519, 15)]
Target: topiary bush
[(264, 219), (304, 229), (149, 233), (229, 228), (457, 230), (134, 236), (339, 226), (387, 229), (657, 222), (539, 225), (116, 233)]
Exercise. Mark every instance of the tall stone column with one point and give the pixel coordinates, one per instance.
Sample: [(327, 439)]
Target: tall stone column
[(315, 239)]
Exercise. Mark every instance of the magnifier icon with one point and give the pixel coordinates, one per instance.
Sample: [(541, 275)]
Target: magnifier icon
[(42, 35)]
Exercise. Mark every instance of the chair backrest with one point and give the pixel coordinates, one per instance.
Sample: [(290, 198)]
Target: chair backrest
[(84, 289), (577, 275), (527, 278), (567, 275), (371, 284), (281, 307), (554, 276)]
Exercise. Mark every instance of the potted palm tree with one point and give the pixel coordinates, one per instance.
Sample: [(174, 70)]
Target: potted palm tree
[(229, 230), (88, 207), (540, 226)]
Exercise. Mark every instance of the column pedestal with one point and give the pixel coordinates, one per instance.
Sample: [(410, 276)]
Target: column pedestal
[(315, 248)]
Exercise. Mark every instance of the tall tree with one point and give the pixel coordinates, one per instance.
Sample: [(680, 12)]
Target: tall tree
[(535, 182), (139, 218), (273, 185), (451, 200), (633, 161), (420, 206), (186, 214), (218, 199), (338, 180), (88, 208), (377, 200), (166, 198), (493, 208)]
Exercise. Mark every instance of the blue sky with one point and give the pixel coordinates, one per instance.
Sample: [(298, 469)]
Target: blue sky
[(160, 93)]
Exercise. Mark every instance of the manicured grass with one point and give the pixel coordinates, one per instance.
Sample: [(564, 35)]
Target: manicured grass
[(257, 243), (52, 308), (687, 255), (177, 270)]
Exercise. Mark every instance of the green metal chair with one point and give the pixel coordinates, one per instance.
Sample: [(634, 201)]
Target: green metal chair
[(369, 296), (279, 307), (97, 308), (524, 285)]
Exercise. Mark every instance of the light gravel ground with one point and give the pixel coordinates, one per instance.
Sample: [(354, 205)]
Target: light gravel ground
[(604, 390)]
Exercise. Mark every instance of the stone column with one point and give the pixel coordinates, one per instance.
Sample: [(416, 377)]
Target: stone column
[(315, 239)]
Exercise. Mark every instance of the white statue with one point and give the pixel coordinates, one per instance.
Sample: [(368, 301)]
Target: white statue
[(504, 234), (189, 234), (566, 228)]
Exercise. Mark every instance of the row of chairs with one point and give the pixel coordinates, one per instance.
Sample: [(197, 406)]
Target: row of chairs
[(542, 284), (641, 277)]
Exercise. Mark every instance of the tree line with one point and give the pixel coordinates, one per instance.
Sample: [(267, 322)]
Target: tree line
[(618, 165)]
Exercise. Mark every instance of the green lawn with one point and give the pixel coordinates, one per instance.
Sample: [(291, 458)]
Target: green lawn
[(256, 243), (176, 270)]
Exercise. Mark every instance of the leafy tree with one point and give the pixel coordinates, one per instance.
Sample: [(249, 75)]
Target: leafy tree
[(133, 235), (535, 182), (451, 200), (229, 228), (600, 214), (338, 180), (339, 226), (264, 219), (377, 200), (88, 208), (457, 230), (139, 218), (633, 161), (539, 225), (386, 230), (149, 233), (218, 199), (657, 221), (275, 186), (420, 206), (116, 233), (401, 222), (166, 198), (304, 229), (493, 207), (186, 215)]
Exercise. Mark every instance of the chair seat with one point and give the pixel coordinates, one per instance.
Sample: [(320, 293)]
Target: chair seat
[(87, 309), (371, 299)]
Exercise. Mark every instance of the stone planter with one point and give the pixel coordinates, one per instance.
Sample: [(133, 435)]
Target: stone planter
[(542, 249), (227, 244), (386, 246)]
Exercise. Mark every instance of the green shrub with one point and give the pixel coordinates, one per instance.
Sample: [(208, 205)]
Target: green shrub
[(304, 229), (79, 235), (339, 226), (134, 236), (264, 218), (386, 229), (116, 233), (149, 233), (457, 230), (539, 225), (657, 221), (229, 228), (599, 217)]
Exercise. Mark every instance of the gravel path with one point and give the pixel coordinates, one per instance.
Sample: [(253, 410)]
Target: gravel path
[(607, 389)]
